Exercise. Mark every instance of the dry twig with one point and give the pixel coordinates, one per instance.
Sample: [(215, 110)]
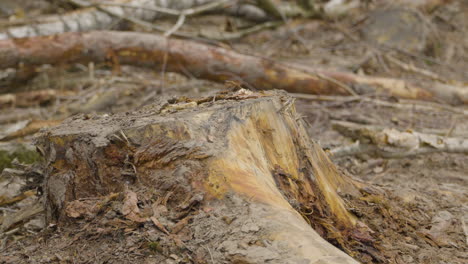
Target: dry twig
[(403, 104)]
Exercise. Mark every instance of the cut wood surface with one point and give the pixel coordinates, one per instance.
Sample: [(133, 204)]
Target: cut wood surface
[(242, 156), (208, 62)]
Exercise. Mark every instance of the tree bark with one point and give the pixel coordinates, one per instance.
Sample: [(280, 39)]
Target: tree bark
[(241, 154)]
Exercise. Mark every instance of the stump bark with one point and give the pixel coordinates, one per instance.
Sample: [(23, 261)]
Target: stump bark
[(231, 169)]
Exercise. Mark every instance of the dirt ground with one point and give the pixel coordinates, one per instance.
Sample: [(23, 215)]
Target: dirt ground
[(424, 221)]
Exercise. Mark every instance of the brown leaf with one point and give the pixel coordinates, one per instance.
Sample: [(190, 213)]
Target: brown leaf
[(130, 207), (180, 225), (159, 225), (78, 209)]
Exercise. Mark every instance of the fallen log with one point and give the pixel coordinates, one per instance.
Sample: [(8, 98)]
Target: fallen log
[(240, 163), (392, 143), (102, 15), (208, 62), (96, 15), (93, 18)]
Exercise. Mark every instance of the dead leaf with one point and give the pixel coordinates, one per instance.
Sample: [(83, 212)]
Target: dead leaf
[(77, 209), (89, 208), (130, 203), (130, 207), (441, 223), (180, 225), (159, 225)]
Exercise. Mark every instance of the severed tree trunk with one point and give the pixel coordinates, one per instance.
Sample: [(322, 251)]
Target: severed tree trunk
[(244, 158)]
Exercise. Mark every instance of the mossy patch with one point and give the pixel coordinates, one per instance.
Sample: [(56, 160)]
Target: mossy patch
[(23, 155), (155, 246)]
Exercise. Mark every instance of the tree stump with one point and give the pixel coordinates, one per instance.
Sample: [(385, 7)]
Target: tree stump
[(237, 172)]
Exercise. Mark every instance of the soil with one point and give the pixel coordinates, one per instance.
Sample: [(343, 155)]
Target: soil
[(424, 220)]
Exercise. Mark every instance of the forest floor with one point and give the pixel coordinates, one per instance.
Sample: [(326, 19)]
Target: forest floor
[(429, 193)]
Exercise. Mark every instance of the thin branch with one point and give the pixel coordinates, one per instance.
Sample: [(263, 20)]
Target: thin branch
[(404, 104), (269, 7), (377, 48), (155, 9), (178, 24), (193, 11), (340, 84), (242, 33), (168, 11), (136, 20), (414, 69), (326, 97), (203, 8)]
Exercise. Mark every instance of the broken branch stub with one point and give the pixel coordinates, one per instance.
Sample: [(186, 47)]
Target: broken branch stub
[(242, 156)]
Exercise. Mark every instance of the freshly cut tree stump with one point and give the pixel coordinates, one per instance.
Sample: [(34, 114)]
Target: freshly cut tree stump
[(237, 171)]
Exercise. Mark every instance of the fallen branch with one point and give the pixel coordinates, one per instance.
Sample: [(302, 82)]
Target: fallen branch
[(391, 143), (139, 20), (8, 201), (270, 7), (402, 104), (8, 117), (96, 16), (25, 128), (208, 62), (414, 69), (105, 14), (223, 36), (31, 98), (427, 91)]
